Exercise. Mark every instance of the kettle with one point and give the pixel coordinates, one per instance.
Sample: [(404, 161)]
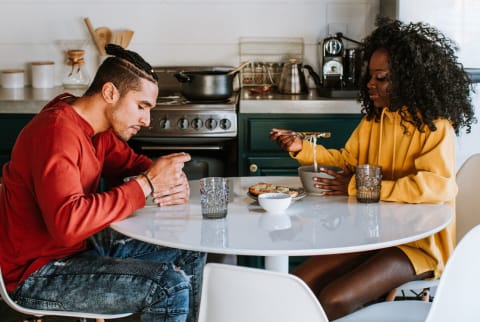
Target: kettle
[(292, 78)]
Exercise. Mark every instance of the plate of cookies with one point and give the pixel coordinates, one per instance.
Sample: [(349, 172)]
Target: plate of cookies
[(264, 187)]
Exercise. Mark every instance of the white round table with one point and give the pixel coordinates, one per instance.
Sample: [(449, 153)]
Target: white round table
[(314, 225)]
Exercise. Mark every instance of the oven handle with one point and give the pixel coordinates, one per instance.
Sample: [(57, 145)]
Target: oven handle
[(181, 148)]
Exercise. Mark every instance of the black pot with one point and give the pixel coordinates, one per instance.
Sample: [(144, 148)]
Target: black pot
[(206, 85)]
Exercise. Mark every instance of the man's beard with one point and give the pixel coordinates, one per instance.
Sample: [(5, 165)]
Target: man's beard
[(122, 136)]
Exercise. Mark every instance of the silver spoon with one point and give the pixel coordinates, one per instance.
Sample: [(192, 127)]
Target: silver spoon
[(303, 135)]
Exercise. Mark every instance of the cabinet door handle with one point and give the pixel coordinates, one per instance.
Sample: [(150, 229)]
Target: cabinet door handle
[(253, 168)]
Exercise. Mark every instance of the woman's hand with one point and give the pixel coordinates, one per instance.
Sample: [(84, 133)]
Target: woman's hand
[(286, 139), (338, 185)]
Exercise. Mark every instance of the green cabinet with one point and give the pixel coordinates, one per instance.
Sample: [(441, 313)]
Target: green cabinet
[(259, 156), (11, 125)]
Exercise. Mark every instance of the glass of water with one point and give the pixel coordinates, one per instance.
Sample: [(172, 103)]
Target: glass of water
[(214, 195)]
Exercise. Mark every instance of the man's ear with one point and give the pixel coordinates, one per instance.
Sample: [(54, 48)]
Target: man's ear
[(110, 92)]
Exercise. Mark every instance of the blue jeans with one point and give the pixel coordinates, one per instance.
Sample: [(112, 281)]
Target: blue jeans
[(119, 274)]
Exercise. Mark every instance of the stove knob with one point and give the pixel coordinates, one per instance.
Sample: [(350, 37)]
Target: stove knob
[(210, 124), (197, 123), (182, 123), (164, 124), (225, 124)]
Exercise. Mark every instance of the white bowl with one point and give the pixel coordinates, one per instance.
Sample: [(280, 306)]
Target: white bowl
[(307, 173), (274, 202)]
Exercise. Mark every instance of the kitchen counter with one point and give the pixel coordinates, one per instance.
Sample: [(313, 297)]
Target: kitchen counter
[(29, 100), (310, 103)]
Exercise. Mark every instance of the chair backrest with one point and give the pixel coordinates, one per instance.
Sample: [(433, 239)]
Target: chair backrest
[(238, 294), (456, 298), (467, 209), (8, 300), (467, 203)]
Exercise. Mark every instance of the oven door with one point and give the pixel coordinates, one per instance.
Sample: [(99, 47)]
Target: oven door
[(210, 158)]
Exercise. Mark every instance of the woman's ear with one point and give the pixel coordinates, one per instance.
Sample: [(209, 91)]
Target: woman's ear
[(110, 92)]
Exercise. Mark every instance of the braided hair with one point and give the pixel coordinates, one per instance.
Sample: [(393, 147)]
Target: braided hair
[(425, 75), (132, 57), (124, 68)]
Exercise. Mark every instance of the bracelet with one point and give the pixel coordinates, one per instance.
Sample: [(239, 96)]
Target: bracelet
[(149, 182)]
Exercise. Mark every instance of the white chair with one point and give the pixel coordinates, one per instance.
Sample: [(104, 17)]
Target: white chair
[(239, 294), (39, 313), (456, 297), (467, 203)]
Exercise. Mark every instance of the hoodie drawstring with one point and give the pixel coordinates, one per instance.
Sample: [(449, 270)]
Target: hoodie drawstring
[(379, 153), (382, 116)]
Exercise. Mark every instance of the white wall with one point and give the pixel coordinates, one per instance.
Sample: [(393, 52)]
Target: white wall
[(468, 144), (173, 32), (459, 20)]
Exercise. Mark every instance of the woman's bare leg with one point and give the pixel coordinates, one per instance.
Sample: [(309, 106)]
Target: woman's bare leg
[(318, 271), (358, 279)]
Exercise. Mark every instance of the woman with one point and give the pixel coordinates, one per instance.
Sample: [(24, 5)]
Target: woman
[(415, 97)]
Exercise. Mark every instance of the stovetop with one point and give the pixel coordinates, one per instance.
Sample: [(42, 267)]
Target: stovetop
[(168, 85), (176, 116), (176, 100)]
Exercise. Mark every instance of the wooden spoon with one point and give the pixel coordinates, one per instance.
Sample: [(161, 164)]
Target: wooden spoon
[(126, 37), (104, 35), (122, 37), (236, 69), (96, 40), (115, 39)]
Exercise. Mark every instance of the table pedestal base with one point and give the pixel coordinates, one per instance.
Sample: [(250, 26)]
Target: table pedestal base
[(277, 263)]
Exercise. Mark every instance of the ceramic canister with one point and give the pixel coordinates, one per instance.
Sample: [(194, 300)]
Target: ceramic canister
[(13, 78), (43, 74)]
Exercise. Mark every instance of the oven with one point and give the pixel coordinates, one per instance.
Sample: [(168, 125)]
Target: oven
[(207, 130)]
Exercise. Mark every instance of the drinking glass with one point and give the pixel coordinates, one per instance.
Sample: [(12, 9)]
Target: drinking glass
[(369, 182), (214, 194)]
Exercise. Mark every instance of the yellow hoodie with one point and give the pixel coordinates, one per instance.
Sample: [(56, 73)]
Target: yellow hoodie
[(418, 167)]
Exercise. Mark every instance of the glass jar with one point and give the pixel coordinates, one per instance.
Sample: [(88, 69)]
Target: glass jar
[(247, 75), (259, 74), (76, 76)]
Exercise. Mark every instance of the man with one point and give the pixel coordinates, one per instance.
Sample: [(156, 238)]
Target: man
[(56, 250)]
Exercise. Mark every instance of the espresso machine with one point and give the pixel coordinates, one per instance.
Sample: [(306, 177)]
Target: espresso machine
[(338, 65)]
